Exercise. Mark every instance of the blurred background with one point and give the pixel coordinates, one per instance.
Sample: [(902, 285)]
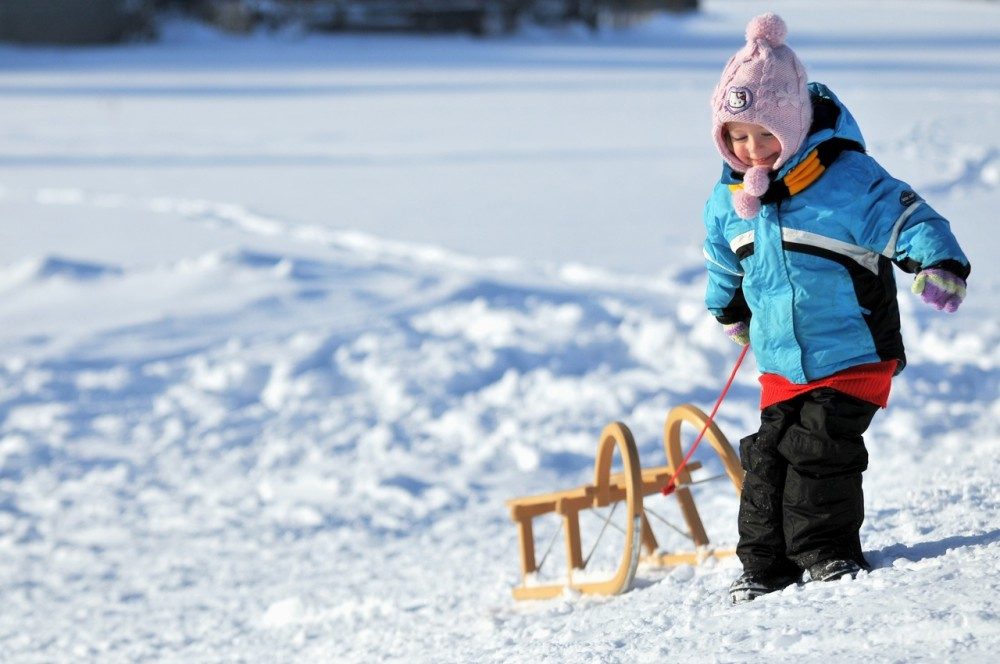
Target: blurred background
[(110, 21)]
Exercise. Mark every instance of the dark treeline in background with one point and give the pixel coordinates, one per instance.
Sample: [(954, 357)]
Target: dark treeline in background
[(110, 21)]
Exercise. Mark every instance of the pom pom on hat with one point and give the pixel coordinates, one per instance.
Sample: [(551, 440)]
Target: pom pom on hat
[(765, 84), (746, 206), (756, 182), (770, 27)]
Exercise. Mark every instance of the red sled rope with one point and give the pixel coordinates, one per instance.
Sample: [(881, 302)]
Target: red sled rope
[(670, 486)]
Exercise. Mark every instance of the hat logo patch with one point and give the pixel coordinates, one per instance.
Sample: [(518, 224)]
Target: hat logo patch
[(739, 100)]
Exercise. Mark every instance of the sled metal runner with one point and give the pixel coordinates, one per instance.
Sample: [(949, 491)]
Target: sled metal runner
[(628, 487)]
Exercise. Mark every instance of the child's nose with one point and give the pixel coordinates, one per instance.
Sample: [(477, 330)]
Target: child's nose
[(756, 146)]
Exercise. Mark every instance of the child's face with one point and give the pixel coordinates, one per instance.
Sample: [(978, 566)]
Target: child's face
[(752, 144)]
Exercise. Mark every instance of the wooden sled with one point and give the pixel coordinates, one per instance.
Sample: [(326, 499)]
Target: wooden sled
[(627, 487)]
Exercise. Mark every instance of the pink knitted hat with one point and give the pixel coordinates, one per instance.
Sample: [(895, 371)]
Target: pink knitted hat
[(764, 83)]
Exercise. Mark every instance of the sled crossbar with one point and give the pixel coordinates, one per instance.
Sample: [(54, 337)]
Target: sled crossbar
[(628, 487), (584, 497)]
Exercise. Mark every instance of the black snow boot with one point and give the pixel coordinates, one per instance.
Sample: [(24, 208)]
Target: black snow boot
[(831, 570), (753, 584)]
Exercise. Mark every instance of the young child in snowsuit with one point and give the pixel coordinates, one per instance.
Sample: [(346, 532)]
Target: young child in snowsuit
[(802, 232)]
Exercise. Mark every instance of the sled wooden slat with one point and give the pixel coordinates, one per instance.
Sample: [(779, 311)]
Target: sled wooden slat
[(627, 487), (653, 480)]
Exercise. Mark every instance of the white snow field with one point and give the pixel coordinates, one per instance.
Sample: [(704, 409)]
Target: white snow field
[(285, 319)]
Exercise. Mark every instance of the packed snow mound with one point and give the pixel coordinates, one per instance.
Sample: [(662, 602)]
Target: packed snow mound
[(54, 268), (315, 415)]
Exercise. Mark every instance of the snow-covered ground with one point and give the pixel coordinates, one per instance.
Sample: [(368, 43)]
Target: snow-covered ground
[(284, 320)]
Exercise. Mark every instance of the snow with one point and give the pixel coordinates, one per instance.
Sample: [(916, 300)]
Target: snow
[(287, 318)]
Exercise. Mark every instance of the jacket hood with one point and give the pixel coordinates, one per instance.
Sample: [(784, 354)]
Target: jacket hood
[(831, 119)]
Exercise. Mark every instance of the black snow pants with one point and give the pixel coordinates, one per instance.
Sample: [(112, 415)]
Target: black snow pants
[(802, 501)]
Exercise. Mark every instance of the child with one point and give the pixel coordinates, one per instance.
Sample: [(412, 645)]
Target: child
[(802, 232)]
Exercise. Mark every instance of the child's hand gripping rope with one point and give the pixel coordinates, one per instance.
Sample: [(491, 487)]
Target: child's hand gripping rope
[(738, 332)]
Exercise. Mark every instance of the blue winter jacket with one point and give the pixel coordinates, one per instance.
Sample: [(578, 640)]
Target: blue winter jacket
[(813, 271)]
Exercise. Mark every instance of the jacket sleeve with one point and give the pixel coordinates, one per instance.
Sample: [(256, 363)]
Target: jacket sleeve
[(903, 227), (724, 292), (925, 240)]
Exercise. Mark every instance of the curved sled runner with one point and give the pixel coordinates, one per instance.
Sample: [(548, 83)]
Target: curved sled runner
[(626, 487)]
